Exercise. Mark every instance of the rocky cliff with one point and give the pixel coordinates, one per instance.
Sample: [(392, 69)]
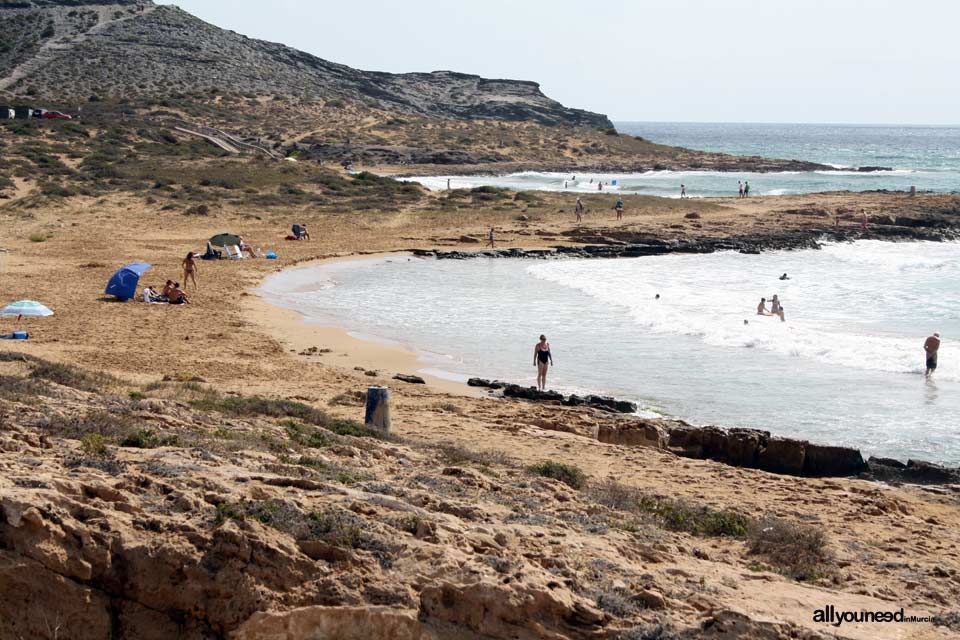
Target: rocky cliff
[(75, 49)]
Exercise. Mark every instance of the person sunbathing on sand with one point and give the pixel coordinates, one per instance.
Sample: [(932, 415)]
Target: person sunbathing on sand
[(245, 247), (167, 290), (150, 295), (177, 295)]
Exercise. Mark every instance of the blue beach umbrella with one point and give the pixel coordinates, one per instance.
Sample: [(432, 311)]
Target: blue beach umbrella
[(123, 284)]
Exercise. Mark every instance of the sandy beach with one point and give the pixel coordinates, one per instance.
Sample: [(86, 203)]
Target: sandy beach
[(231, 340)]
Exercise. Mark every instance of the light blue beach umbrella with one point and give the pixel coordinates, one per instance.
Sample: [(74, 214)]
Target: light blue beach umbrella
[(29, 308)]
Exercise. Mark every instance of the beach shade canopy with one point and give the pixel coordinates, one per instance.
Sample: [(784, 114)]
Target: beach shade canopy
[(225, 240), (123, 284), (28, 308)]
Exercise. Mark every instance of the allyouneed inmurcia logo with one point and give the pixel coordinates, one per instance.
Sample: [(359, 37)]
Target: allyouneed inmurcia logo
[(830, 615)]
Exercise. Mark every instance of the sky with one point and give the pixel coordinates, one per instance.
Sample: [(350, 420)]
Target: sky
[(837, 61)]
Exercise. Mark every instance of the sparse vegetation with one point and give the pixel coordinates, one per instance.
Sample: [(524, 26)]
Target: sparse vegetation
[(677, 515), (278, 408), (798, 551), (71, 376), (93, 444), (568, 474)]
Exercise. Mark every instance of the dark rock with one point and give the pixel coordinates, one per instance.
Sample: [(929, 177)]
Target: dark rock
[(913, 472), (928, 472), (403, 377), (782, 455), (489, 384), (531, 393), (829, 461), (886, 462), (609, 404), (869, 169), (743, 447), (693, 215)]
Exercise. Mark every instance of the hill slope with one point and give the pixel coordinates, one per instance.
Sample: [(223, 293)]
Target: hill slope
[(74, 49)]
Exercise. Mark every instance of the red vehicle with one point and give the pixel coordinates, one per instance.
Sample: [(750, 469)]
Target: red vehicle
[(55, 115)]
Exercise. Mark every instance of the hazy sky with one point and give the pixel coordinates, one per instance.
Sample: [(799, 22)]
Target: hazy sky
[(859, 61)]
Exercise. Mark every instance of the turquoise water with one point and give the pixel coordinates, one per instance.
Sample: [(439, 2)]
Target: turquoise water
[(925, 157), (845, 368), (916, 148)]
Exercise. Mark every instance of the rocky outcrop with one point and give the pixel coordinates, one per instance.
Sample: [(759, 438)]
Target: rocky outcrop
[(512, 611), (343, 623), (125, 48), (635, 433), (604, 403), (757, 449), (913, 471), (629, 245)]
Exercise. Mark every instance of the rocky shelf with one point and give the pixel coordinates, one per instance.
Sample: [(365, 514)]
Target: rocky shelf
[(739, 447), (937, 229)]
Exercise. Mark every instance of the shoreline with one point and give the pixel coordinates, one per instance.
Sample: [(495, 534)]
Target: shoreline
[(719, 443), (297, 334)]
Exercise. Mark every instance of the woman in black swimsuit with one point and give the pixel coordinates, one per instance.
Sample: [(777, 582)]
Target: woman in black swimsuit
[(541, 358)]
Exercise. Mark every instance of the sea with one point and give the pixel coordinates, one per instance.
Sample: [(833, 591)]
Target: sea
[(846, 367), (925, 157)]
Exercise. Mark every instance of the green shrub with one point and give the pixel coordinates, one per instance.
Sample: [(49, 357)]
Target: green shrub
[(93, 444), (148, 439), (568, 474)]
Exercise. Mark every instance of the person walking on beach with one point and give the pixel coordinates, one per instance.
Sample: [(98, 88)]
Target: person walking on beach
[(739, 189), (746, 189), (619, 208), (491, 241), (579, 210), (683, 191), (542, 358), (189, 270), (863, 221), (930, 346)]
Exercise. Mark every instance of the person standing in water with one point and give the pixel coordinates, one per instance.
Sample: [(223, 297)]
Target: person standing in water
[(490, 239), (775, 305), (619, 208), (762, 307), (579, 210), (746, 189), (542, 358), (931, 346), (739, 189), (683, 191)]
